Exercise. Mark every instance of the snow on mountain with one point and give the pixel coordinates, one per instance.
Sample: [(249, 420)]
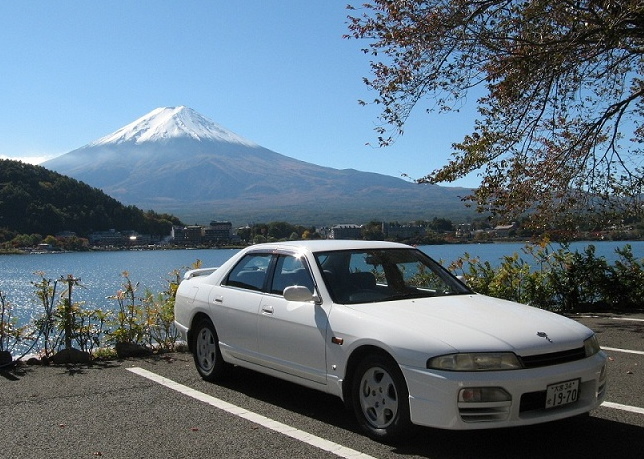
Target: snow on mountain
[(166, 123)]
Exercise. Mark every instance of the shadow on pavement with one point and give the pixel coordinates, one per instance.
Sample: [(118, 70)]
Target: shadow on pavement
[(582, 436)]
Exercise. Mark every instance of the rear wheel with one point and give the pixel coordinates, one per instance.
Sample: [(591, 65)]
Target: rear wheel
[(381, 400), (206, 353)]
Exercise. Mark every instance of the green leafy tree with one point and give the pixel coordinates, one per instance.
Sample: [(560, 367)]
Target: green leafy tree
[(561, 96), (372, 231), (442, 225), (280, 230), (26, 240), (259, 239)]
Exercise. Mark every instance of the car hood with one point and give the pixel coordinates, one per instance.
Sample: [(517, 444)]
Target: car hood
[(477, 323)]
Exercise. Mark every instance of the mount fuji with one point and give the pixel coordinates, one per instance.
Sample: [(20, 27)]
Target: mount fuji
[(175, 160)]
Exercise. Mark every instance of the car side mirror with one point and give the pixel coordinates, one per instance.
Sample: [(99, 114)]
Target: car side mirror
[(298, 293)]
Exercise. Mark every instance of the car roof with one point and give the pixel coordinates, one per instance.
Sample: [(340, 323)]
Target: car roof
[(322, 245)]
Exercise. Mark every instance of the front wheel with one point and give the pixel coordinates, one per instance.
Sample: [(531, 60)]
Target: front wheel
[(381, 400), (206, 353)]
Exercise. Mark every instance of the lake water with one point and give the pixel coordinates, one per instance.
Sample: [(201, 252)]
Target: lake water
[(101, 272)]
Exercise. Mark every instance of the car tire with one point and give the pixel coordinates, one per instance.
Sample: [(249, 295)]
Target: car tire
[(206, 352), (381, 400)]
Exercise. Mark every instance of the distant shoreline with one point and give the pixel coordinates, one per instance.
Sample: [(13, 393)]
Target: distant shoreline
[(35, 251), (113, 249)]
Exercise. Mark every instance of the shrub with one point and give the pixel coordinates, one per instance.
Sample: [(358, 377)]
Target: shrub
[(564, 281), (48, 333), (11, 335), (129, 321), (626, 281), (159, 317), (146, 320)]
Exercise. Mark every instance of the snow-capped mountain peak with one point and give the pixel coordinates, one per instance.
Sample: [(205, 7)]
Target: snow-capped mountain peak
[(166, 123)]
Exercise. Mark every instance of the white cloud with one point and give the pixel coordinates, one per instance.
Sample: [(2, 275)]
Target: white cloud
[(29, 159)]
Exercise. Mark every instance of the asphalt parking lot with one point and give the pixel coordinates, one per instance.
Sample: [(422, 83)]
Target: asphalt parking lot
[(159, 407)]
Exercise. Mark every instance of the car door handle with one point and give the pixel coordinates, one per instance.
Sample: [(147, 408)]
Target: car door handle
[(219, 299), (267, 309)]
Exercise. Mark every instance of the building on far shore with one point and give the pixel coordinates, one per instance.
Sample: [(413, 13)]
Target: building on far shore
[(504, 230), (346, 231), (119, 238), (398, 231), (217, 232)]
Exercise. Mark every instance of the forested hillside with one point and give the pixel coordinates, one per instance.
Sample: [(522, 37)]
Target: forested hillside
[(36, 200)]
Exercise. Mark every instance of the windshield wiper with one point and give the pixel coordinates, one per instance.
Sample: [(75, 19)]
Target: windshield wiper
[(409, 295)]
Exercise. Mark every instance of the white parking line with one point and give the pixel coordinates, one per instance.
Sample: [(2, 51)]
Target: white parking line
[(619, 406), (263, 421), (285, 429), (628, 318), (627, 351), (592, 316)]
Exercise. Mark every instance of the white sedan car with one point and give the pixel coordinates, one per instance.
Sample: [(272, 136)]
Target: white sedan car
[(392, 333)]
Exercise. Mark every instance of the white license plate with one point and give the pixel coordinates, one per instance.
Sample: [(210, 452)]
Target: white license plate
[(562, 393)]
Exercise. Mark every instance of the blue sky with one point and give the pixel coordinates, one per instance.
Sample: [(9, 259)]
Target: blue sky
[(276, 72)]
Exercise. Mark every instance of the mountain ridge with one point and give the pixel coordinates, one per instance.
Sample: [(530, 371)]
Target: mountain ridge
[(175, 160)]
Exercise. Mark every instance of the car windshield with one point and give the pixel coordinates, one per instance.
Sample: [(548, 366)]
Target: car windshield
[(374, 275)]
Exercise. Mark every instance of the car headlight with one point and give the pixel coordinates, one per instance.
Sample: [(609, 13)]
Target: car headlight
[(475, 361), (591, 346)]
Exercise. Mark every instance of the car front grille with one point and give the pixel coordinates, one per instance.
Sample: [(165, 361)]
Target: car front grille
[(554, 358)]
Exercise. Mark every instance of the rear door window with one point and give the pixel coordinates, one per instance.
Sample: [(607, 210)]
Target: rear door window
[(250, 272)]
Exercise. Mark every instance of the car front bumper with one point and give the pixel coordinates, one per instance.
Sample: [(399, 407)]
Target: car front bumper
[(433, 395)]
